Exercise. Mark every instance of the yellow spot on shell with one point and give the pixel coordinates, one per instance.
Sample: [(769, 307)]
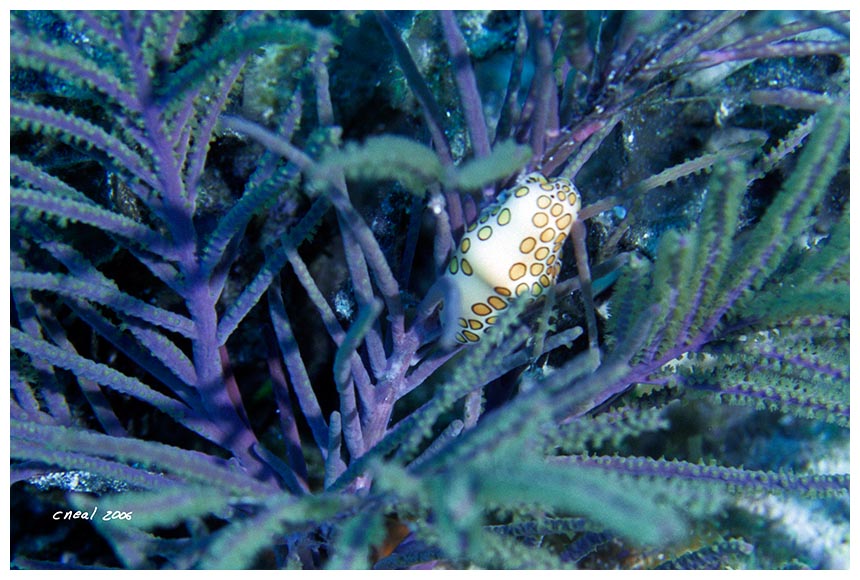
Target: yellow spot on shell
[(521, 192), (563, 222), (485, 232), (480, 309), (502, 290), (522, 289), (527, 245), (545, 281), (466, 267), (537, 289), (472, 227), (465, 245), (497, 302), (536, 269), (562, 194), (504, 217), (541, 253), (492, 320), (547, 186), (550, 260), (462, 322), (517, 271), (556, 210), (547, 235), (452, 266), (475, 324), (543, 202), (471, 336), (560, 238), (540, 219), (460, 338)]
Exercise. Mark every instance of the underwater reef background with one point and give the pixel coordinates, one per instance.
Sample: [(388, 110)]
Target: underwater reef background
[(237, 248)]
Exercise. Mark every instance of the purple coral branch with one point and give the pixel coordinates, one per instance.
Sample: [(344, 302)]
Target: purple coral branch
[(275, 261), (325, 110), (50, 390), (360, 278), (510, 113), (99, 404), (295, 367), (204, 127), (23, 397), (542, 93), (102, 374), (95, 26), (124, 228), (69, 460), (151, 355), (223, 408), (73, 65), (175, 362), (40, 179), (181, 128), (287, 416), (110, 296), (464, 76), (178, 213), (187, 464), (692, 42), (359, 371), (168, 42), (355, 259), (86, 132), (783, 49)]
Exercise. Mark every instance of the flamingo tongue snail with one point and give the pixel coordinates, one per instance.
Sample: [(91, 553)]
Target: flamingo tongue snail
[(514, 248)]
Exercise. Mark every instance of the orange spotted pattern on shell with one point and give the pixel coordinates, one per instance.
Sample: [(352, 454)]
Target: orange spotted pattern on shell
[(510, 250)]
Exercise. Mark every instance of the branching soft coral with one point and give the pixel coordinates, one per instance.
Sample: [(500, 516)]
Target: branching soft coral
[(226, 318)]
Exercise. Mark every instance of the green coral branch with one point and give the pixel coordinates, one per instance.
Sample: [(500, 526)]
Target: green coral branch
[(229, 46), (36, 54), (544, 527), (38, 178), (702, 163), (351, 549), (170, 505), (785, 218), (74, 288), (788, 144), (416, 166), (88, 213), (236, 545), (610, 427), (790, 302), (111, 470), (719, 555), (600, 496), (774, 395), (733, 480), (96, 372), (191, 466), (74, 130)]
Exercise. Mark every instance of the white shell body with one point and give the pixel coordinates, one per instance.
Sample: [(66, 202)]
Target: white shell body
[(513, 248)]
